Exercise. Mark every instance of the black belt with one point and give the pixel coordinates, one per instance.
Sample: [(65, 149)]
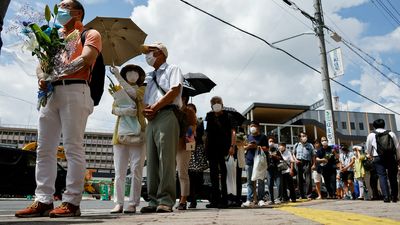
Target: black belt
[(68, 82)]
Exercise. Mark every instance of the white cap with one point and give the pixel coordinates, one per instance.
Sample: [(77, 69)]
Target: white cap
[(158, 45)]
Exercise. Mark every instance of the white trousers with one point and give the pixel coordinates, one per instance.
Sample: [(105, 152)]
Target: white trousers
[(66, 112), (123, 155), (182, 165)]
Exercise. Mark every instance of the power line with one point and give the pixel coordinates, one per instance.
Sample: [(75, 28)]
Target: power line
[(394, 8), (388, 11), (383, 13), (290, 55)]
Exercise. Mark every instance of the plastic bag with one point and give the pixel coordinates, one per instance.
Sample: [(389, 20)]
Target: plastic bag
[(260, 165), (231, 175)]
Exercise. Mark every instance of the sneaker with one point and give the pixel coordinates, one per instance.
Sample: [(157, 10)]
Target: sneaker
[(192, 205), (212, 205), (36, 209), (271, 203), (163, 209), (66, 209), (247, 204), (261, 203), (182, 206), (117, 209), (130, 209), (148, 209)]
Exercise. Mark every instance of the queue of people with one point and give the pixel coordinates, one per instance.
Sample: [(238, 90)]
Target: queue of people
[(166, 140)]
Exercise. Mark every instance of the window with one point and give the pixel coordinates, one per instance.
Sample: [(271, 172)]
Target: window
[(344, 125), (352, 125), (361, 126)]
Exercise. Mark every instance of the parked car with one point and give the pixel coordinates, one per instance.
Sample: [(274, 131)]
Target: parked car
[(17, 173)]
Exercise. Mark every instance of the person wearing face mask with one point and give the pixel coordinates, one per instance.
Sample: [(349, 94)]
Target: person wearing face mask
[(255, 139), (304, 158), (65, 113), (131, 79), (326, 166), (162, 98), (220, 143), (274, 175)]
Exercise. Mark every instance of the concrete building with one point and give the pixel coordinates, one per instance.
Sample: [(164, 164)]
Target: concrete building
[(284, 122), (98, 147)]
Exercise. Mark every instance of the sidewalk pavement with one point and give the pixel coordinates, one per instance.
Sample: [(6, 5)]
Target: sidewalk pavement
[(310, 212)]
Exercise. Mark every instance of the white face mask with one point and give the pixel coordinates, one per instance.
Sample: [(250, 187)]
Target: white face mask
[(132, 77), (271, 144), (150, 59), (253, 130), (217, 107), (324, 143)]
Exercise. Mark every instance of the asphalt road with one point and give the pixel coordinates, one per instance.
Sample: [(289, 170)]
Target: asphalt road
[(310, 212)]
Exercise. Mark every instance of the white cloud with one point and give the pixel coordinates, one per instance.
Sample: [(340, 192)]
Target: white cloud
[(198, 43)]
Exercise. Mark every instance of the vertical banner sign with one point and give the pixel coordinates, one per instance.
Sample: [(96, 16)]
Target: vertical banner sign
[(337, 62), (330, 135)]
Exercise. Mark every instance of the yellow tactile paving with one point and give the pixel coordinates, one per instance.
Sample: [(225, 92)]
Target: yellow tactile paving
[(335, 217)]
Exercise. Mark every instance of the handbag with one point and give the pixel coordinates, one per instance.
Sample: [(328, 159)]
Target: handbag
[(282, 165), (260, 165), (231, 175), (131, 139), (198, 160)]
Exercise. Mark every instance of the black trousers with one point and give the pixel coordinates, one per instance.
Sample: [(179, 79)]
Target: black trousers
[(287, 184), (330, 181), (304, 178), (217, 170), (196, 185)]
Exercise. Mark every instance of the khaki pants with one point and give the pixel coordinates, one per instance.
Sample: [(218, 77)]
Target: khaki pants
[(182, 165), (162, 138)]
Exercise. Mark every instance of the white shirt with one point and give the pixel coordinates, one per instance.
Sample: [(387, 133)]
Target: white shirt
[(371, 143), (345, 159), (167, 76)]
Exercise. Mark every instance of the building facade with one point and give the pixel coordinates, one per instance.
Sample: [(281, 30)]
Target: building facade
[(284, 122)]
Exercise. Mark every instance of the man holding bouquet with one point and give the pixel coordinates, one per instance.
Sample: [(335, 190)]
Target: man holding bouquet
[(66, 112)]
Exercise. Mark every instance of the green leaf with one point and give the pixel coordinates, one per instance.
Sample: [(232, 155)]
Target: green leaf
[(47, 13), (41, 37), (55, 10)]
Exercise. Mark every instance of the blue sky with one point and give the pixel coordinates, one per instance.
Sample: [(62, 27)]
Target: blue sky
[(245, 69)]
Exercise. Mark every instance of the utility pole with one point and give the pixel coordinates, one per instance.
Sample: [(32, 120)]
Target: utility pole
[(326, 86)]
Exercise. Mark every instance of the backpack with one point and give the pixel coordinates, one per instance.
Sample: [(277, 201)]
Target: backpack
[(385, 145), (97, 75)]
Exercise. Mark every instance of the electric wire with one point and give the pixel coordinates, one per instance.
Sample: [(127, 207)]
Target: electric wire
[(290, 55), (394, 8), (388, 11), (384, 14)]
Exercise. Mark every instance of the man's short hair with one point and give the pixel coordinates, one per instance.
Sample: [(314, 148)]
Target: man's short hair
[(79, 6), (215, 98), (255, 122), (379, 123)]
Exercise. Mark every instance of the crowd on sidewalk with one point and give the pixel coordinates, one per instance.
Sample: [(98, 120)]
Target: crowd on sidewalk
[(154, 121)]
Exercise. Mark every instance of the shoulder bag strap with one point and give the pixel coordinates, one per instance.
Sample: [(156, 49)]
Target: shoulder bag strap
[(158, 86)]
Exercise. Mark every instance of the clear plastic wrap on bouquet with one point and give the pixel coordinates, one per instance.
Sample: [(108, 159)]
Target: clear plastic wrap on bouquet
[(128, 125)]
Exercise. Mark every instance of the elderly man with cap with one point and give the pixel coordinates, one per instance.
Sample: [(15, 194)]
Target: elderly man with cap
[(161, 98)]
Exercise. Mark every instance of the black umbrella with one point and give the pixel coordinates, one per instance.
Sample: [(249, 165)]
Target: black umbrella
[(200, 82), (238, 117), (188, 90)]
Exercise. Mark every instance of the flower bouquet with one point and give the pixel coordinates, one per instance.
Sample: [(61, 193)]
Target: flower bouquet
[(129, 128), (50, 47)]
